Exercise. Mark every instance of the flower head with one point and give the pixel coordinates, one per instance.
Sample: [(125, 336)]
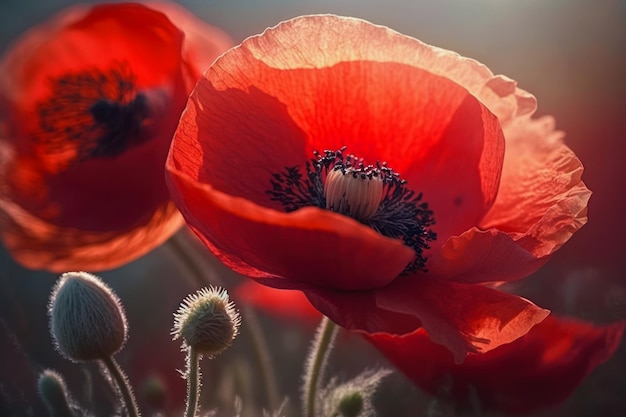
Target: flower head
[(207, 321), (87, 320), (477, 190), (89, 101)]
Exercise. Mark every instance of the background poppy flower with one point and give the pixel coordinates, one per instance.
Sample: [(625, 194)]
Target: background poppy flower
[(291, 305), (237, 170), (537, 370), (90, 100)]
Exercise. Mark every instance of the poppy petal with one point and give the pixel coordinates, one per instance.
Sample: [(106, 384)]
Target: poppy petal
[(29, 240), (268, 243), (359, 310), (91, 35), (542, 201), (351, 310), (539, 369), (481, 256), (465, 318), (333, 39), (203, 42), (280, 303), (458, 193)]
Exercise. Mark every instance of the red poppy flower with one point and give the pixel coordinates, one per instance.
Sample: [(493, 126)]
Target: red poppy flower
[(90, 100), (539, 369), (372, 249)]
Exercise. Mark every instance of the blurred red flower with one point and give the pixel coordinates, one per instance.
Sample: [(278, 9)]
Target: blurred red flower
[(290, 305), (539, 369), (89, 101), (373, 250)]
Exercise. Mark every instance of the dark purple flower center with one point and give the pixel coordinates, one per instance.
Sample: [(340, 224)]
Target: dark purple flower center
[(97, 112), (374, 195)]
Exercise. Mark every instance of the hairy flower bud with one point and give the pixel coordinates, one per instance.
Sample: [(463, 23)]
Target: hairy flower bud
[(53, 391), (207, 321), (351, 404), (86, 318), (352, 398)]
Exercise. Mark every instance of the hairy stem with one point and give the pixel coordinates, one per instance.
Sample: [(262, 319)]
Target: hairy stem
[(128, 399), (316, 363), (193, 382), (195, 265)]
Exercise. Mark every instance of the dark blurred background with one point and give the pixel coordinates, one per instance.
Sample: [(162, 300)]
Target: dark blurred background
[(569, 53)]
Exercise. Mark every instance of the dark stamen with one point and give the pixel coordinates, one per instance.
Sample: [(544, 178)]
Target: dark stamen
[(120, 123), (97, 112), (401, 213)]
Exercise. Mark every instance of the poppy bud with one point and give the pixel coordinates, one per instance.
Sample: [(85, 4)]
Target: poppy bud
[(351, 404), (352, 398), (53, 391), (207, 321), (154, 391), (87, 320)]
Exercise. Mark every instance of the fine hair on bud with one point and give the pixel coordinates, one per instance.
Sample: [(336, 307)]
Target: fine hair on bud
[(206, 321), (87, 320), (352, 398), (53, 392)]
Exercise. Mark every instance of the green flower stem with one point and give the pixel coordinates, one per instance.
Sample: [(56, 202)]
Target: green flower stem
[(193, 382), (263, 356), (195, 265), (123, 386), (316, 363)]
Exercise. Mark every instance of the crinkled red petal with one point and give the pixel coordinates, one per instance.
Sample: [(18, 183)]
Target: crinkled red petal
[(535, 371), (483, 255), (542, 201), (325, 40), (466, 318)]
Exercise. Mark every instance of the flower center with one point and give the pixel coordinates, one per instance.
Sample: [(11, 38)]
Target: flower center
[(374, 195), (353, 192), (99, 112)]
